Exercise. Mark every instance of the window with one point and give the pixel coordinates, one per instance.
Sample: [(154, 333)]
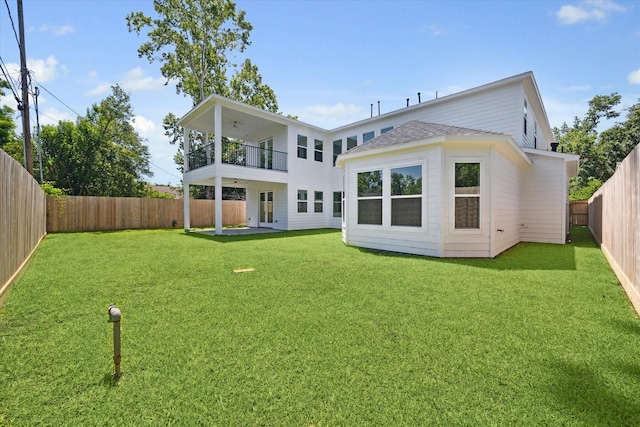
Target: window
[(385, 130), (367, 136), (525, 116), (337, 150), (352, 141), (317, 154), (406, 196), (337, 204), (302, 201), (317, 201), (467, 196), (370, 197), (302, 147)]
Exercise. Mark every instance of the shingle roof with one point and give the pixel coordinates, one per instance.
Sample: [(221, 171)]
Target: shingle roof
[(415, 130)]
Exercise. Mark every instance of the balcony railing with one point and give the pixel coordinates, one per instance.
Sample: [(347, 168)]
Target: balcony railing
[(240, 154)]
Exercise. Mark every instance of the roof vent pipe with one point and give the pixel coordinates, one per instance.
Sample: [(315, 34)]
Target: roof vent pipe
[(407, 102), (378, 107), (371, 110), (436, 94), (418, 97)]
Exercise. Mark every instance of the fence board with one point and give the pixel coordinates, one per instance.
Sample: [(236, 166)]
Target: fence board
[(579, 212), (75, 213), (614, 221), (22, 224)]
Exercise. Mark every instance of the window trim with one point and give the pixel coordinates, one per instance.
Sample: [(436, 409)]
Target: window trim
[(302, 147), (318, 202), (339, 202), (304, 200), (366, 198), (481, 160), (393, 197)]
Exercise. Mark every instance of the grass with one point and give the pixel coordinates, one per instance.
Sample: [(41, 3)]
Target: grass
[(320, 334)]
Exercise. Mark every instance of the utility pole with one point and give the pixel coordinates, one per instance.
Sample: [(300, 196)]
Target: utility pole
[(24, 75)]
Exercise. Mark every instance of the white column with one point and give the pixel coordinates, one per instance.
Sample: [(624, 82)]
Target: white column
[(218, 204), (217, 155), (185, 187), (186, 211)]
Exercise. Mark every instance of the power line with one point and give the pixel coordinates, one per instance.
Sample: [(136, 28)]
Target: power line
[(9, 80), (164, 170), (15, 33), (59, 100)]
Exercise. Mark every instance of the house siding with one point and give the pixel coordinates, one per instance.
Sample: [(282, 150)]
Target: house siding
[(467, 243), (505, 204), (422, 240), (543, 189)]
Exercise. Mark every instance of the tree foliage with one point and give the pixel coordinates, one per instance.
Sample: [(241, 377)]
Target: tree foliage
[(100, 154), (9, 140), (599, 152), (193, 40)]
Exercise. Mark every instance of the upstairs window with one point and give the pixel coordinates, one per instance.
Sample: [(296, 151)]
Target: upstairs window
[(370, 197), (367, 136), (525, 116), (352, 141), (467, 196), (337, 150), (385, 130), (302, 147), (317, 152)]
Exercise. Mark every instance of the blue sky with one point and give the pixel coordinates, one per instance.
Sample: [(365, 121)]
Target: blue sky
[(328, 61)]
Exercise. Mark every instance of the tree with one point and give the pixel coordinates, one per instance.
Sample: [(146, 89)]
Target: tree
[(599, 152), (100, 154), (9, 140), (193, 40)]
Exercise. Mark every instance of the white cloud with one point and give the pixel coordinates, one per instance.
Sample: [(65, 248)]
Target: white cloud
[(634, 77), (57, 30), (576, 88), (44, 70), (143, 126), (591, 10), (333, 110), (136, 80), (99, 90), (51, 116)]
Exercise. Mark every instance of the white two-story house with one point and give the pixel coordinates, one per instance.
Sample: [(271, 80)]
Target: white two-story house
[(466, 175)]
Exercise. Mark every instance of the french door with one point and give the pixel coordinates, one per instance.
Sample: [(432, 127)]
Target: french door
[(266, 209)]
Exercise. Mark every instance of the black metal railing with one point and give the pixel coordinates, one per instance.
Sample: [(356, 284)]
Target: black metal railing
[(240, 154)]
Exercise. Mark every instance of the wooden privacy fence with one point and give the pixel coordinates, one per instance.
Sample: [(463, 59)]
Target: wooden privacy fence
[(76, 213), (614, 221), (22, 218), (579, 212)]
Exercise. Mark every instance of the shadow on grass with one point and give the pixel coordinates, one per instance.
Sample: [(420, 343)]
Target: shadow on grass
[(261, 236), (109, 381), (524, 256), (593, 399)]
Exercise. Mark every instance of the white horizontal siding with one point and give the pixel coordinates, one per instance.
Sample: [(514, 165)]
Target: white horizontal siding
[(422, 240), (543, 205), (506, 204)]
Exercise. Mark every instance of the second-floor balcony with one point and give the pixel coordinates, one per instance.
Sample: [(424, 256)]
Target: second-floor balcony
[(240, 154)]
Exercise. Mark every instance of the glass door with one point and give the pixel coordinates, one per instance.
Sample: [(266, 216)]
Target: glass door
[(266, 209), (266, 153)]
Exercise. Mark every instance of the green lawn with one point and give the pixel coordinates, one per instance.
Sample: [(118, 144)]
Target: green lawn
[(320, 334)]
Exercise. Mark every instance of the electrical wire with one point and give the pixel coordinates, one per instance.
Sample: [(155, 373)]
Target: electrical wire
[(58, 99), (15, 33), (164, 170), (9, 80)]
